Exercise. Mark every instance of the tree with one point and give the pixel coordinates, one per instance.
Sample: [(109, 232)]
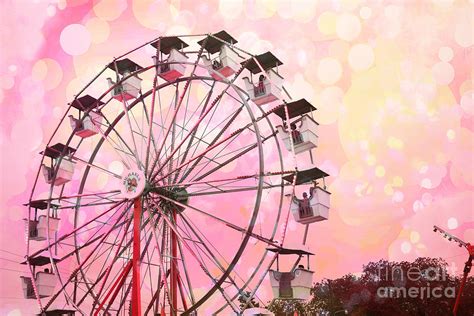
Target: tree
[(282, 307), (243, 298), (422, 287)]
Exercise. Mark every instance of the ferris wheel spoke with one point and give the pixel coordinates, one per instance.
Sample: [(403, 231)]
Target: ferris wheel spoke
[(108, 172), (186, 274), (102, 275), (177, 107), (161, 138), (183, 128), (193, 133), (171, 225), (111, 248), (99, 251), (219, 220), (209, 253), (245, 149), (150, 138), (184, 121), (122, 145), (126, 110), (148, 270), (105, 136), (72, 275), (201, 264), (119, 281), (213, 104), (128, 288), (139, 127), (234, 189), (89, 242), (163, 273), (60, 239), (85, 195), (228, 120), (209, 148), (218, 155), (92, 200)]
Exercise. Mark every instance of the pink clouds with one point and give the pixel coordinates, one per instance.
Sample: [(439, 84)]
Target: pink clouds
[(396, 112)]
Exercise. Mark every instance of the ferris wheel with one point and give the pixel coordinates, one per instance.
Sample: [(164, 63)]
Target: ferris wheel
[(168, 184)]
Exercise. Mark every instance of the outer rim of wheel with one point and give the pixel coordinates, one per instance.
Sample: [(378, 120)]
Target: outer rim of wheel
[(257, 203), (250, 227)]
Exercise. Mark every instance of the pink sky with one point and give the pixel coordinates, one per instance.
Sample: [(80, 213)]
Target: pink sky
[(392, 84)]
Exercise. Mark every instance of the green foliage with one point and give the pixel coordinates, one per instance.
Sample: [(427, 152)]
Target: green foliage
[(243, 298), (287, 307), (384, 287), (365, 295)]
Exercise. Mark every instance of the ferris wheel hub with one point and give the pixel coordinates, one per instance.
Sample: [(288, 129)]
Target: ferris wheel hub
[(171, 198), (133, 183)]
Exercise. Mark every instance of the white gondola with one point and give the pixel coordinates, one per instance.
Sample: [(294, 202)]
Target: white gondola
[(267, 90), (305, 135), (44, 229), (311, 209), (269, 85), (37, 225), (45, 280), (130, 87), (226, 63), (64, 173), (45, 283), (88, 126), (33, 229), (222, 58), (172, 67), (65, 170), (294, 284)]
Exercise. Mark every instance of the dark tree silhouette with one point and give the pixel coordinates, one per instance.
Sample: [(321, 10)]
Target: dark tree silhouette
[(243, 301), (420, 288)]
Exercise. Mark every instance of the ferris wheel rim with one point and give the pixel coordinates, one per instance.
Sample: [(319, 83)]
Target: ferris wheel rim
[(136, 102), (141, 98)]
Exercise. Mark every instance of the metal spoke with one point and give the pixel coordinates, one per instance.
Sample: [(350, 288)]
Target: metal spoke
[(177, 107), (184, 242), (219, 220)]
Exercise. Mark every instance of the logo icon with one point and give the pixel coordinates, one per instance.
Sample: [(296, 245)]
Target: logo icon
[(133, 183)]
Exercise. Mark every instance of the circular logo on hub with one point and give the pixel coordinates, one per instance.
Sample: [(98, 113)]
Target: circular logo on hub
[(133, 183)]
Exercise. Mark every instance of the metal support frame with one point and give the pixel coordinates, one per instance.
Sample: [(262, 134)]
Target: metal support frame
[(467, 264), (467, 270), (136, 297), (174, 267)]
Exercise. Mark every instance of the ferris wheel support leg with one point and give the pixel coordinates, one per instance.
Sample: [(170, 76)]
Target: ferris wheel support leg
[(174, 269), (136, 299)]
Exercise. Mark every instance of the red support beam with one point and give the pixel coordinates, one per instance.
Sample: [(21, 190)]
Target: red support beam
[(174, 268), (467, 270), (181, 292), (116, 285), (136, 298)]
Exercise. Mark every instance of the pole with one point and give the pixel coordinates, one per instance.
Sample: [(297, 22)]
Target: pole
[(467, 265), (174, 267), (467, 269), (136, 299)]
